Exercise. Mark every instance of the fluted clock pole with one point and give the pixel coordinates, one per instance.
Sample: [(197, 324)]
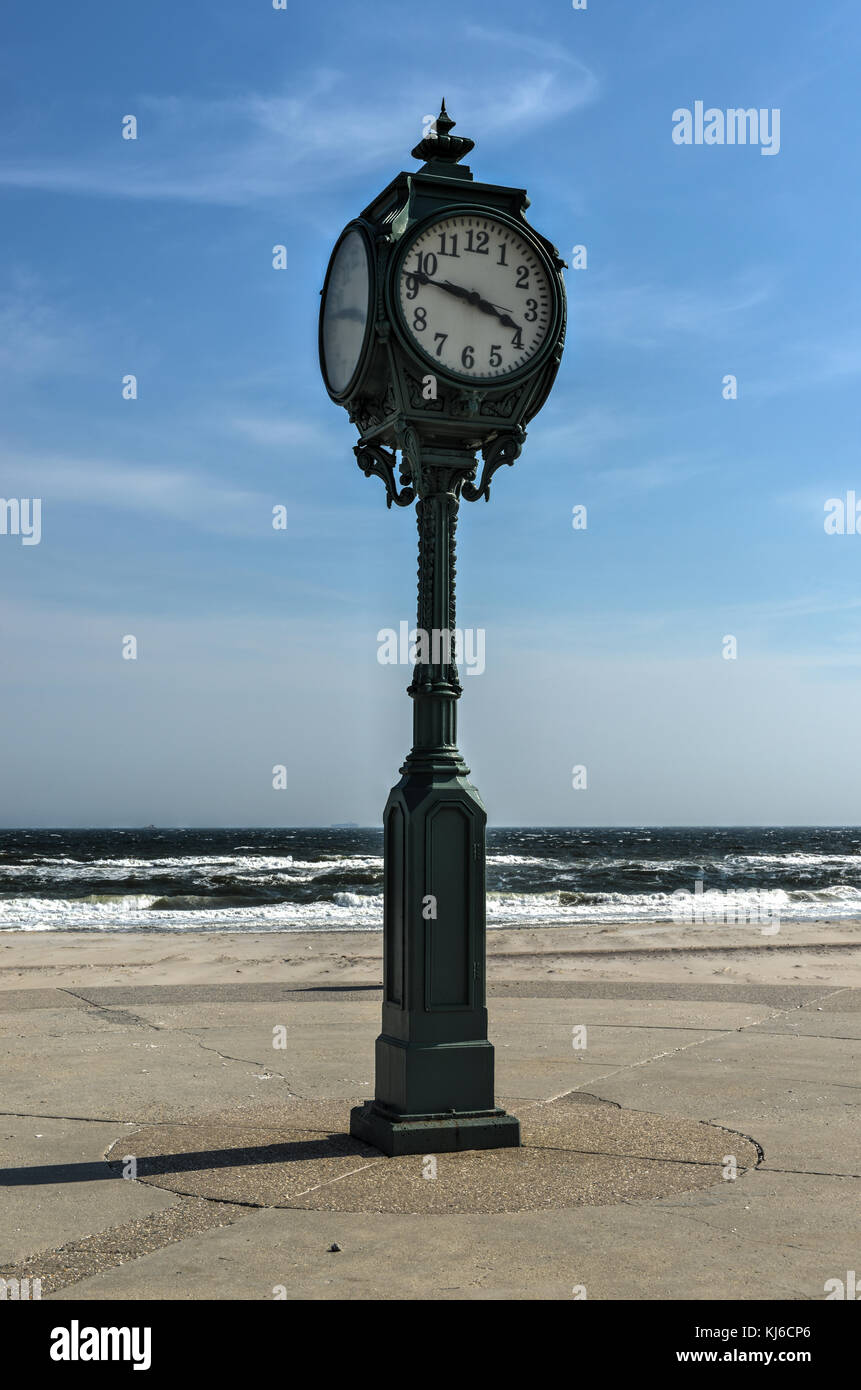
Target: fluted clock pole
[(434, 1063)]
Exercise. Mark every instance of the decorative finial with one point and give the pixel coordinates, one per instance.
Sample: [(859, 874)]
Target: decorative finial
[(441, 150), (444, 122)]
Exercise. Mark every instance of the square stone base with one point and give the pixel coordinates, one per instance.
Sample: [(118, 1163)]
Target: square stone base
[(397, 1134)]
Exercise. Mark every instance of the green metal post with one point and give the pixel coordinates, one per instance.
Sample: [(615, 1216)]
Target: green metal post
[(434, 1063)]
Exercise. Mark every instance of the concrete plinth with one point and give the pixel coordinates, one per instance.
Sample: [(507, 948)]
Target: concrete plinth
[(395, 1134)]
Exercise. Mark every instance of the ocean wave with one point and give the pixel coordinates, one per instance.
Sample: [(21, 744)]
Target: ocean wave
[(835, 892), (146, 913), (333, 879), (530, 861), (797, 859), (347, 910)]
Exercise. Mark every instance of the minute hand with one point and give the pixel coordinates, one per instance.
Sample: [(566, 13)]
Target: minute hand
[(474, 298), (471, 296)]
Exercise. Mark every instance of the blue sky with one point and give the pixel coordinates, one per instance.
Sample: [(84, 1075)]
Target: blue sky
[(259, 127)]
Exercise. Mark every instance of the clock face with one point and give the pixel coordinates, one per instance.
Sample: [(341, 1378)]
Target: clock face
[(475, 296), (344, 317)]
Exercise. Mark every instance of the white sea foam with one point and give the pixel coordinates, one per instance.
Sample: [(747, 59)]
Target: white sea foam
[(247, 867), (347, 910), (797, 859), (133, 912)]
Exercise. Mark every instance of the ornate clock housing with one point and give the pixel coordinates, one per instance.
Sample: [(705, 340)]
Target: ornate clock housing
[(460, 336)]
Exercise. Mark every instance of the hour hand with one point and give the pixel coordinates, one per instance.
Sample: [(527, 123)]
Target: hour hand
[(471, 296), (475, 299), (457, 290), (487, 308)]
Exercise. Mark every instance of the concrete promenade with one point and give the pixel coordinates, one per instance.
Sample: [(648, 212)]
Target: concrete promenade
[(224, 1097)]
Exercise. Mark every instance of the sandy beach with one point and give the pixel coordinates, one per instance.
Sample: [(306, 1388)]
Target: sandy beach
[(810, 952)]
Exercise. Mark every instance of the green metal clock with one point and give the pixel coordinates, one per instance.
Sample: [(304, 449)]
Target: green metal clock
[(441, 332)]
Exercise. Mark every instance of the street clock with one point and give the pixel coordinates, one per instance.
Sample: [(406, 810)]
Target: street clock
[(443, 315), (441, 331)]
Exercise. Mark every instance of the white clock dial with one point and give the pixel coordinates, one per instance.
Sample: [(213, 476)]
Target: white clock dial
[(475, 296), (345, 310)]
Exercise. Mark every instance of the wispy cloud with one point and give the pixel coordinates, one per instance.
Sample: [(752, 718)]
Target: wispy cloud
[(36, 336), (808, 363), (650, 475), (287, 433), (202, 502), (252, 147), (181, 494), (645, 314), (555, 82), (591, 429)]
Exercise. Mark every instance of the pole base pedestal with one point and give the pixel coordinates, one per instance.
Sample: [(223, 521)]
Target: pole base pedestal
[(396, 1134)]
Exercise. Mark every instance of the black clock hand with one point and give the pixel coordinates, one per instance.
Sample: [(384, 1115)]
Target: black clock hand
[(459, 290), (425, 279), (503, 315), (486, 307), (471, 297)]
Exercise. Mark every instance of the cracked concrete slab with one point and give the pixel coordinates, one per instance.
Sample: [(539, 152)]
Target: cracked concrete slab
[(803, 1138), (696, 1015), (56, 1185), (134, 1072), (770, 1236), (839, 1001), (812, 1024), (262, 1015), (534, 1054), (799, 1095), (20, 1000), (776, 1062), (81, 1258), (58, 1022), (787, 995)]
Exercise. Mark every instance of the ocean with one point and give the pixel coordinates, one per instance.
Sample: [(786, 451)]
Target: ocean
[(328, 880)]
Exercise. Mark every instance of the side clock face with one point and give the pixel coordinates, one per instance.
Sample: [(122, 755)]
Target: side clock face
[(476, 296), (345, 309)]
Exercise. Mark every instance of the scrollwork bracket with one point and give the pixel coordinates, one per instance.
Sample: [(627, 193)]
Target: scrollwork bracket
[(373, 458), (505, 449)]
